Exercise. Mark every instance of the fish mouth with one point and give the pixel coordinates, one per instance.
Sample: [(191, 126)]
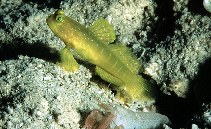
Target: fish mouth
[(50, 22), (48, 19)]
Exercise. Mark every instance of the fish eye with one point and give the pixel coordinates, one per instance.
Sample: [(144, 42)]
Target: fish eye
[(60, 18)]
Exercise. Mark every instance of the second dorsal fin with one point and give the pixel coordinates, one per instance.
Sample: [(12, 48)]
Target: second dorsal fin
[(103, 30), (126, 56)]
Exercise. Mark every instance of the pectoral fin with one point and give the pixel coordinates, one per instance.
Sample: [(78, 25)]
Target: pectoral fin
[(67, 60)]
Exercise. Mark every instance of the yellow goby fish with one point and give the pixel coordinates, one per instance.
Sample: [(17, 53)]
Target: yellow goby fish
[(114, 62)]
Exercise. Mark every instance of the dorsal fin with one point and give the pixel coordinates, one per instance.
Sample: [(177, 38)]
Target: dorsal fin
[(103, 30), (126, 56)]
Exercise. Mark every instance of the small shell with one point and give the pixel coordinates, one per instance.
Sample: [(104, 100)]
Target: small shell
[(207, 5)]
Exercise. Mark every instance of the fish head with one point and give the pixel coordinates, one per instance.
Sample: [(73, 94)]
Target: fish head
[(57, 22)]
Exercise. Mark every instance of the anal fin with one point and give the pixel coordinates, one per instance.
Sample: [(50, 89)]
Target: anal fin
[(108, 77)]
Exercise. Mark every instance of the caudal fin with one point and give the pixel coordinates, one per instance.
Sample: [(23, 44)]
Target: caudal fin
[(137, 90)]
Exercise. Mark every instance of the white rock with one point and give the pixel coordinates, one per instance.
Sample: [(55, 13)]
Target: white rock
[(207, 5)]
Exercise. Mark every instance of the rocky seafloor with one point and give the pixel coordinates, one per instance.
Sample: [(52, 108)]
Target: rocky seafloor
[(171, 38)]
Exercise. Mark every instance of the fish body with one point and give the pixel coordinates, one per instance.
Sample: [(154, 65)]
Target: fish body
[(93, 45), (87, 46)]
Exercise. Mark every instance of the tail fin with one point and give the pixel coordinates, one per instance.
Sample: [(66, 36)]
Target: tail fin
[(149, 88), (137, 90)]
